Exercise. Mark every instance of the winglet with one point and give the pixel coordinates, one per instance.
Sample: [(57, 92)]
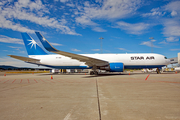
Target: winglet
[(45, 43)]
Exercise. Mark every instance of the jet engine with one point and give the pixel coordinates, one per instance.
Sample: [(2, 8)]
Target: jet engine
[(114, 67)]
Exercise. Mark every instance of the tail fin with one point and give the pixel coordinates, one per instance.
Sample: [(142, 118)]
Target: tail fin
[(45, 43), (31, 46)]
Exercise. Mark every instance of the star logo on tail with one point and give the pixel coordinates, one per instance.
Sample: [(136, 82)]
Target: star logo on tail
[(43, 39), (32, 43)]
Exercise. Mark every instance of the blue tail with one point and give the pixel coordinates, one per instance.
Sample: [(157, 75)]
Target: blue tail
[(31, 46), (45, 43)]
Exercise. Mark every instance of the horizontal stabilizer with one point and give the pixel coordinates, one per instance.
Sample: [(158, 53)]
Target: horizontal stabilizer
[(26, 59)]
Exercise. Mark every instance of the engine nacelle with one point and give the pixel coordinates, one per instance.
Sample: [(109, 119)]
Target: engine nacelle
[(114, 67)]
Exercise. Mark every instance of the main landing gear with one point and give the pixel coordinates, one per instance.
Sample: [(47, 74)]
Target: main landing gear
[(93, 73)]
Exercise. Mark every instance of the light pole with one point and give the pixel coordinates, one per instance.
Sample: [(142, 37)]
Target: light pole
[(151, 44), (101, 43)]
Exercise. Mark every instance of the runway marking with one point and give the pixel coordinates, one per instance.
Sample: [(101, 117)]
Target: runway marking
[(147, 77), (6, 81), (14, 81), (41, 80), (28, 80), (35, 81), (21, 81), (69, 114)]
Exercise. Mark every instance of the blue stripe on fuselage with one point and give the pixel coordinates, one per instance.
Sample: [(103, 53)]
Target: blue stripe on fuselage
[(86, 67)]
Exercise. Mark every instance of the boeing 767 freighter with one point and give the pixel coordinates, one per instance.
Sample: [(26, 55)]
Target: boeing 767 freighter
[(108, 62)]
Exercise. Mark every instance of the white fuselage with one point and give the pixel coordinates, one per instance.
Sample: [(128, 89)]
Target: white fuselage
[(130, 61)]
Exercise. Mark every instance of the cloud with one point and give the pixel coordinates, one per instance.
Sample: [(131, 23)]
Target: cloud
[(98, 29), (175, 49), (171, 27), (154, 12), (153, 40), (75, 50), (107, 9), (4, 23), (171, 7), (70, 5), (123, 49), (110, 9), (137, 28), (163, 42), (14, 47), (163, 15), (149, 44), (174, 5), (6, 39), (95, 49), (85, 21), (33, 11), (64, 1), (56, 44), (173, 13), (172, 39)]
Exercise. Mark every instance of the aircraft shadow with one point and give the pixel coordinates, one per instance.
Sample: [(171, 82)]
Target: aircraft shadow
[(87, 75)]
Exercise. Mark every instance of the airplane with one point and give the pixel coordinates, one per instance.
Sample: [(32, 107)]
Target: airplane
[(66, 60)]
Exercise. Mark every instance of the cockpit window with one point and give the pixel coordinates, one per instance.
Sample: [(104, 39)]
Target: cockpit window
[(165, 57)]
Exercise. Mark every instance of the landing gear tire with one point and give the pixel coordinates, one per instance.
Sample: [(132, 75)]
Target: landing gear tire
[(95, 72), (92, 73)]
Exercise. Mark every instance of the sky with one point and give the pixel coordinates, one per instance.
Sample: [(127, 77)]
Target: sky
[(127, 26)]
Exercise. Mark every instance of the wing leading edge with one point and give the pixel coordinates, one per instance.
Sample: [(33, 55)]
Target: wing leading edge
[(88, 60)]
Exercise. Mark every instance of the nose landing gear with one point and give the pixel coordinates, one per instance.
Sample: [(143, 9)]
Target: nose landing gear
[(158, 71)]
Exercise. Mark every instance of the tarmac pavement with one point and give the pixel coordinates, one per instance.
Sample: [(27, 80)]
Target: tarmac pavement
[(138, 96)]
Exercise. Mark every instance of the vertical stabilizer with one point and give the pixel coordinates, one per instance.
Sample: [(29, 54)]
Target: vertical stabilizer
[(178, 58), (31, 46), (45, 43)]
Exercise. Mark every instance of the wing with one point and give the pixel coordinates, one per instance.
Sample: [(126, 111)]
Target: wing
[(88, 60), (26, 59)]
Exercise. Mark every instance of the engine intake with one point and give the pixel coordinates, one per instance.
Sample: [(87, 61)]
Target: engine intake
[(114, 67)]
